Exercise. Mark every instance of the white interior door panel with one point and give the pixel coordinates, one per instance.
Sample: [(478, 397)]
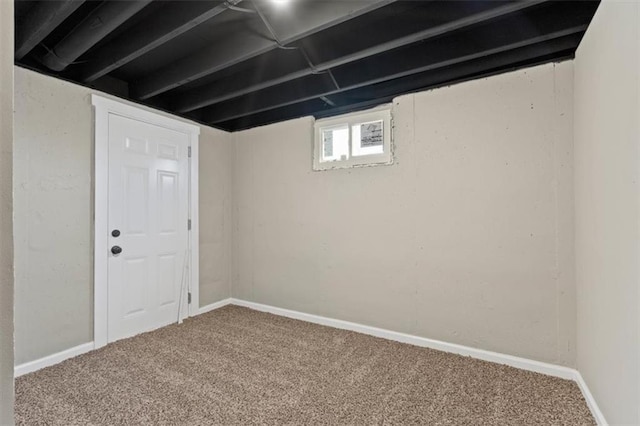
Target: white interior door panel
[(148, 234)]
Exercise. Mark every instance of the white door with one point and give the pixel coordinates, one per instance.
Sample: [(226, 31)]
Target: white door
[(148, 233)]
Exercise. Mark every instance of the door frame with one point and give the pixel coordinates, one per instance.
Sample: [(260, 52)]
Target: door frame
[(103, 108)]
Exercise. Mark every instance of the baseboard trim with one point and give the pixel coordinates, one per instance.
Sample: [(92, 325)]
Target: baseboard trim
[(214, 306), (47, 361), (495, 357), (591, 401), (513, 361)]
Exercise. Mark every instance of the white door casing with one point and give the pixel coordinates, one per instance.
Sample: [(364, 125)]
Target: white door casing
[(145, 187)]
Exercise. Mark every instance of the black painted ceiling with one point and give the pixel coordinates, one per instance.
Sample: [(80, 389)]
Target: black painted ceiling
[(241, 63)]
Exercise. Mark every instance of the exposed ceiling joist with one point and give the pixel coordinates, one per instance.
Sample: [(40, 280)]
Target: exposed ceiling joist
[(40, 21), (275, 98), (270, 60), (386, 92), (328, 101), (250, 45), (168, 23), (102, 21), (235, 87)]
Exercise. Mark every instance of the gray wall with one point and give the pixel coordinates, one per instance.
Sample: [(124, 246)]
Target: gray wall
[(607, 176), (6, 212), (467, 238), (53, 210)]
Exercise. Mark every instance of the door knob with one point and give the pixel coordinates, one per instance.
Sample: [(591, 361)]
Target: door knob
[(115, 233), (116, 250)]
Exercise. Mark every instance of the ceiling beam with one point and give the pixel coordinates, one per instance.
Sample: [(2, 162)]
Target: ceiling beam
[(357, 100), (171, 21), (97, 25), (276, 97), (234, 87), (302, 109), (40, 21), (232, 51)]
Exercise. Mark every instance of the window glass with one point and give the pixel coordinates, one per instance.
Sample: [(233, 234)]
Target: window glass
[(335, 144), (368, 138), (356, 139)]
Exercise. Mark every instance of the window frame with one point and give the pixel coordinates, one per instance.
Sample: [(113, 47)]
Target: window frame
[(377, 114)]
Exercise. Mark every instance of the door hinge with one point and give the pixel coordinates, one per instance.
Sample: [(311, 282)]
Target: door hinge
[(189, 152), (189, 298), (189, 224)]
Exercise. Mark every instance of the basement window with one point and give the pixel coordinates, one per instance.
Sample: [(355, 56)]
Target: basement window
[(353, 140)]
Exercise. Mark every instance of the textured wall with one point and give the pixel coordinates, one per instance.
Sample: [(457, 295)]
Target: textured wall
[(53, 210), (6, 212), (607, 176), (467, 238), (215, 215), (54, 215)]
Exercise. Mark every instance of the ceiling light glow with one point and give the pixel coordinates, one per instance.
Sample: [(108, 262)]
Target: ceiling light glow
[(280, 2)]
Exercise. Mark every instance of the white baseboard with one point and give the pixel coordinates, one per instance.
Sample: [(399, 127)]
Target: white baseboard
[(510, 360), (591, 402), (214, 306), (30, 367), (513, 361)]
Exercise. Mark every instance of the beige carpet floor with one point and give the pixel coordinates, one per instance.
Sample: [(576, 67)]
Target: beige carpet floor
[(238, 366)]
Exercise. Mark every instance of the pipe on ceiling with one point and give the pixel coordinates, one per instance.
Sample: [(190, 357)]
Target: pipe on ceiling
[(213, 94), (97, 25), (132, 44), (41, 20)]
